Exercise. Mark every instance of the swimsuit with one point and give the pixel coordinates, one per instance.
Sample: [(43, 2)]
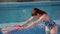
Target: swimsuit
[(50, 23)]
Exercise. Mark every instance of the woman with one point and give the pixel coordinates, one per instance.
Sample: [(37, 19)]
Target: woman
[(50, 26)]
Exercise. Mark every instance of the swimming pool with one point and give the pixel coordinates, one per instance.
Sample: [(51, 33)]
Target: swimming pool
[(12, 13)]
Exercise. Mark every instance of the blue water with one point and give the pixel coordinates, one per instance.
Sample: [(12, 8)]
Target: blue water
[(12, 13)]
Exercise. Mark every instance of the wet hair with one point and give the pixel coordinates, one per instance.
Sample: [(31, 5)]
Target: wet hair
[(38, 11)]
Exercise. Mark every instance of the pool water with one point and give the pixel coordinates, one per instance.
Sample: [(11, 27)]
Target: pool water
[(12, 13), (39, 29)]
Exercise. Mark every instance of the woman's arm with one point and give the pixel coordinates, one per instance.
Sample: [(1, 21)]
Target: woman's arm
[(29, 20), (37, 22)]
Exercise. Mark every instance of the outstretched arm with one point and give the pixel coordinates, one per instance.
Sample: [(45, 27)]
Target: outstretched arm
[(29, 20), (37, 22)]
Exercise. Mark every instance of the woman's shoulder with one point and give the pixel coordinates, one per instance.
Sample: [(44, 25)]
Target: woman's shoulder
[(46, 17)]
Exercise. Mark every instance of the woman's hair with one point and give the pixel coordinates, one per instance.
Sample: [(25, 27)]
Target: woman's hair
[(37, 11)]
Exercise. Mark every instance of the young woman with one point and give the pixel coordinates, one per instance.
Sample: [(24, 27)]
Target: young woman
[(50, 26)]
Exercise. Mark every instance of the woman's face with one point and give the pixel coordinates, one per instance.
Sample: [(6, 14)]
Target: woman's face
[(38, 15)]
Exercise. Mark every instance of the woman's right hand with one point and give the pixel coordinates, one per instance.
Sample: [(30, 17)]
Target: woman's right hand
[(18, 27)]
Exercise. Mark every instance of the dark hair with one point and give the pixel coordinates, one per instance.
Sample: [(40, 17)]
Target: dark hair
[(38, 11)]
